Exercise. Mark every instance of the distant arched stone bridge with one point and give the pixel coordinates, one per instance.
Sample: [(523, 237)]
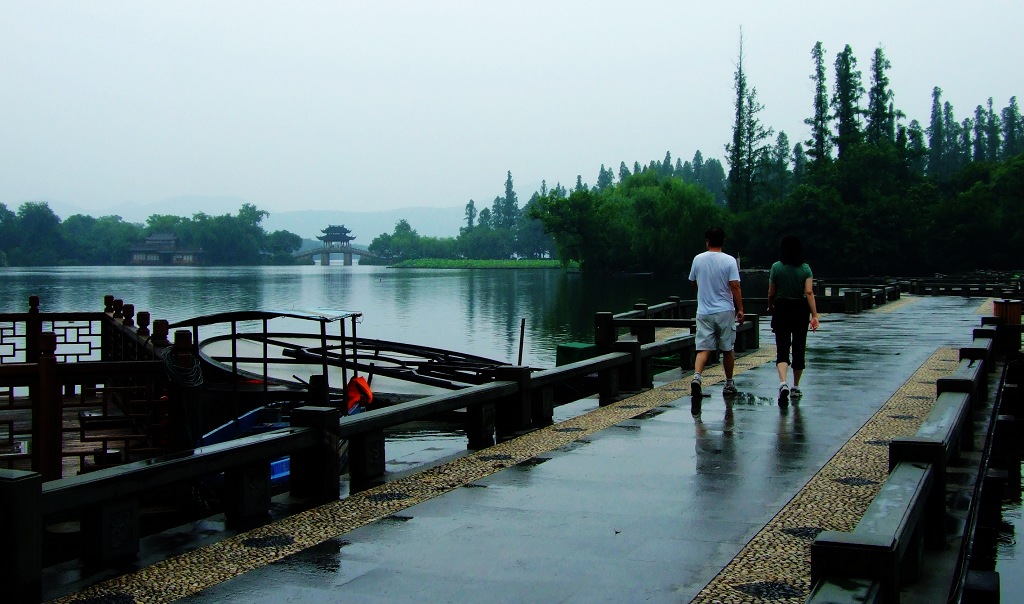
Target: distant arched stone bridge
[(347, 251)]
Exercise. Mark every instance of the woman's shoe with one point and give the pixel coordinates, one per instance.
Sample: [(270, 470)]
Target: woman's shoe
[(795, 394), (783, 394)]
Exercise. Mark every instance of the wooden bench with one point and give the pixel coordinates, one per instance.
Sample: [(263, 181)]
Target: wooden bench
[(980, 349), (886, 545), (845, 591), (969, 377), (942, 435)]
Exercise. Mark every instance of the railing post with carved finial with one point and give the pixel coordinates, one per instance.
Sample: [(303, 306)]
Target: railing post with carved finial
[(47, 412), (33, 327), (143, 320)]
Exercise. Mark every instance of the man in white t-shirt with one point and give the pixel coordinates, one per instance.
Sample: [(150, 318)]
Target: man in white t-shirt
[(716, 275)]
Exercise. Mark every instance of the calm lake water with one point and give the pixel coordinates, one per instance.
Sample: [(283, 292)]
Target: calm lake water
[(471, 311)]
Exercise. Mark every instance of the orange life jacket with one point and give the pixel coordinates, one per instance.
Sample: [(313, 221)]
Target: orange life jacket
[(358, 392)]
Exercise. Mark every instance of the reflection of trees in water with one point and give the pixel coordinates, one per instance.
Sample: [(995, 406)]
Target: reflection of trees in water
[(579, 295), (172, 293), (558, 307)]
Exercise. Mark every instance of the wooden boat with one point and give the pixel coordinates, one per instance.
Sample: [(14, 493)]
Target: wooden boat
[(256, 366)]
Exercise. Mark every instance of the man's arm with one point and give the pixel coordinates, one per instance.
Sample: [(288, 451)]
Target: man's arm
[(737, 299)]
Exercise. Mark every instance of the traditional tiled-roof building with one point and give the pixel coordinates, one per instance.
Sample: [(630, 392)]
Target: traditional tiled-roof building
[(162, 249)]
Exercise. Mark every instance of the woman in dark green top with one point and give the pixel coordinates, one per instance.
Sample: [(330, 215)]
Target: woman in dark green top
[(791, 304)]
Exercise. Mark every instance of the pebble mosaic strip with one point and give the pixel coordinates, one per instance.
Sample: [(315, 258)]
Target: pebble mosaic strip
[(194, 571), (775, 566)]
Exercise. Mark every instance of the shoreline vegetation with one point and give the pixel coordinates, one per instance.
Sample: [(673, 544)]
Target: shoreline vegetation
[(463, 263)]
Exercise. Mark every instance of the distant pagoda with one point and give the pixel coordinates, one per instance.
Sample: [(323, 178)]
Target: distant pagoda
[(336, 233)]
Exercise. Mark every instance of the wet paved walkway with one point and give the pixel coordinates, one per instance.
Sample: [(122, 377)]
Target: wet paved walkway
[(638, 501)]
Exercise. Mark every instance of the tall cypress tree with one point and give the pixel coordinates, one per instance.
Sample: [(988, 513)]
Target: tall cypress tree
[(1013, 137), (757, 151), (819, 147), (780, 177), (738, 170), (685, 172), (666, 166), (993, 133), (623, 172), (799, 164), (881, 123), (580, 186), (749, 153), (605, 178), (978, 146), (846, 101), (470, 215), (917, 151), (936, 135), (505, 209), (951, 152), (698, 166), (966, 131)]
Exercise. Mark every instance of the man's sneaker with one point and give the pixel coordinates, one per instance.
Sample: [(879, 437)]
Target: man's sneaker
[(695, 387), (783, 394), (729, 389), (795, 394)]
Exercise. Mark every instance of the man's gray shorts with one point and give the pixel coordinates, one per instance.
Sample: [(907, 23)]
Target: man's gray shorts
[(716, 331)]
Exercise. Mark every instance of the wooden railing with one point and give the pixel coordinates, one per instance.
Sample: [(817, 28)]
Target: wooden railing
[(99, 365)]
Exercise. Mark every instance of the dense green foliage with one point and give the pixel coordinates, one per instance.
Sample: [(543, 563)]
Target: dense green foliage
[(500, 232), (888, 203), (35, 236), (520, 263), (506, 231)]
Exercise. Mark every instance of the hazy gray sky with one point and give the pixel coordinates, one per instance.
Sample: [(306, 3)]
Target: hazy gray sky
[(391, 104)]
